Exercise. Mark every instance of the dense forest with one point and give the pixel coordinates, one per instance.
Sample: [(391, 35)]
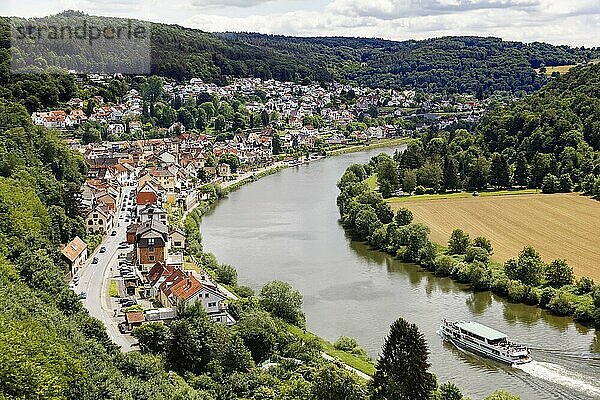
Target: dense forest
[(477, 65), (548, 140)]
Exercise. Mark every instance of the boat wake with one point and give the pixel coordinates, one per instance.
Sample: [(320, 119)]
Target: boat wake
[(562, 376)]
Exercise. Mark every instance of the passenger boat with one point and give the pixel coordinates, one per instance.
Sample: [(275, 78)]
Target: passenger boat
[(485, 341)]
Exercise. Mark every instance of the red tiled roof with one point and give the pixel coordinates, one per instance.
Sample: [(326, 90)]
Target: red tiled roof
[(146, 198), (135, 317), (186, 288)]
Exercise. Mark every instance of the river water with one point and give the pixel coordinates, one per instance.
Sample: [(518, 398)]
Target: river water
[(285, 226)]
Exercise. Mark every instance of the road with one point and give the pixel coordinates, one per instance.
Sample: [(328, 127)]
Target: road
[(94, 279)]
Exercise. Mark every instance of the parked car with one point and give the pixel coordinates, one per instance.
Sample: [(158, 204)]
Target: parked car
[(114, 233), (76, 279), (123, 245), (83, 295), (102, 249), (129, 303), (95, 260)]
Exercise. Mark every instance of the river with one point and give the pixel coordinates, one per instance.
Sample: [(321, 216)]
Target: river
[(285, 226)]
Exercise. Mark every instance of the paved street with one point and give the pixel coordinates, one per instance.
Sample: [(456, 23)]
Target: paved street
[(95, 280)]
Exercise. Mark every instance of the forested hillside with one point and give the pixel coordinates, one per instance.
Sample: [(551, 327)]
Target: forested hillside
[(447, 64), (556, 130), (478, 65)]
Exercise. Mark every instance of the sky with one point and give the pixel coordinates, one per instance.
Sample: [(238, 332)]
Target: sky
[(570, 22)]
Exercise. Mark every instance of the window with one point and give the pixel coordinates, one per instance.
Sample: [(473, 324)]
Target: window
[(206, 295), (95, 215), (151, 249), (177, 244), (151, 258), (91, 222), (151, 242), (213, 304)]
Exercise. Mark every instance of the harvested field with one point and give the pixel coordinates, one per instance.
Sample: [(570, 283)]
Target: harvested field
[(558, 226)]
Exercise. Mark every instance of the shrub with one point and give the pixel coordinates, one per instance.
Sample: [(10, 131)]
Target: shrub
[(566, 184), (516, 291), (462, 272), (546, 296), (500, 284), (584, 313), (533, 296), (345, 343), (226, 274), (444, 265), (480, 276), (477, 254), (561, 304), (420, 190)]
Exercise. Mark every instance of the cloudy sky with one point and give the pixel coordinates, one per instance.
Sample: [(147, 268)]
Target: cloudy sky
[(572, 22)]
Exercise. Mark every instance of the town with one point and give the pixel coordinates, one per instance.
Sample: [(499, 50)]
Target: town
[(157, 152)]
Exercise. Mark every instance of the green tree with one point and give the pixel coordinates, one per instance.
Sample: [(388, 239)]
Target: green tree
[(152, 337), (550, 184), (232, 160), (402, 366), (276, 144), (483, 243), (282, 301), (449, 391), (331, 382), (226, 274), (409, 181), (152, 89), (220, 123), (387, 177), (527, 269), (459, 242), (259, 332), (499, 171), (501, 395), (521, 174), (366, 223), (403, 217), (451, 179), (558, 274)]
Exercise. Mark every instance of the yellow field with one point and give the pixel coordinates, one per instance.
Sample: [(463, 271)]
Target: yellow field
[(562, 69), (558, 226)]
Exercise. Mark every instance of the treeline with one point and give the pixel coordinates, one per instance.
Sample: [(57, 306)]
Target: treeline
[(548, 140), (526, 279), (477, 65)]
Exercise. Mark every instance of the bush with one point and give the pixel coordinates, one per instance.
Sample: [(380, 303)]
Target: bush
[(420, 190), (566, 184), (480, 276), (444, 265), (550, 184), (500, 284), (477, 254), (462, 272), (404, 217), (584, 285), (584, 313), (226, 274), (533, 296), (516, 291), (562, 304), (546, 296)]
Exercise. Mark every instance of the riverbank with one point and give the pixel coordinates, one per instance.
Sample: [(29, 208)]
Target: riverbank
[(381, 143), (361, 367), (525, 279)]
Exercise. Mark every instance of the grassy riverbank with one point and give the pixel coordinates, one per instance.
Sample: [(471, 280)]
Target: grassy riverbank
[(343, 356), (373, 145), (456, 195)]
